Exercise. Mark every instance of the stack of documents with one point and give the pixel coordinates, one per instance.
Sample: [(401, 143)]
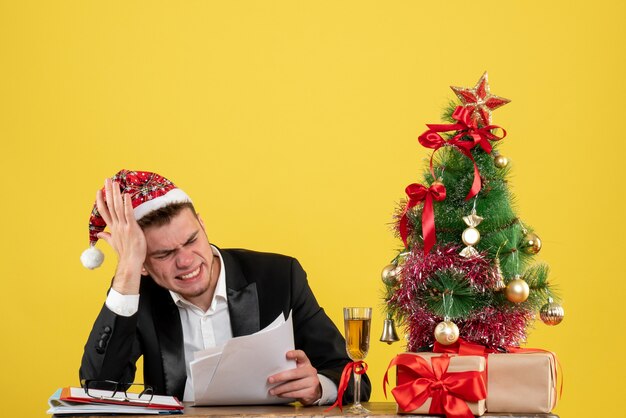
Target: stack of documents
[(72, 401), (236, 373)]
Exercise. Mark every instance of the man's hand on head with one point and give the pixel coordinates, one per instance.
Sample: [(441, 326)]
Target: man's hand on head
[(301, 383), (125, 236)]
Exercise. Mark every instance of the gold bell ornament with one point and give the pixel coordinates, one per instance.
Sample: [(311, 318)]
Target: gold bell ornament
[(389, 334), (552, 313)]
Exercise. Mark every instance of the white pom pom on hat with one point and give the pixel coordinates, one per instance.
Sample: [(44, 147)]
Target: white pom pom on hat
[(92, 258), (148, 192)]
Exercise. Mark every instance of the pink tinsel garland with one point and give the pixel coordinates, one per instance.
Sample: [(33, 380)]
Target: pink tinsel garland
[(492, 326)]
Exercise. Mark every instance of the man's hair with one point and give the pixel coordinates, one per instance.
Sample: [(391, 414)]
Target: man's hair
[(164, 215)]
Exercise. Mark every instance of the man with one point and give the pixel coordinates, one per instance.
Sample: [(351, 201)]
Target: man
[(173, 294)]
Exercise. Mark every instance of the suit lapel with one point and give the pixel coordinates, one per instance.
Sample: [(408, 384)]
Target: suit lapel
[(170, 335), (243, 299)]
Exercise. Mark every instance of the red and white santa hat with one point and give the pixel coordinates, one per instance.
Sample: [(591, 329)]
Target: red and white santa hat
[(148, 192)]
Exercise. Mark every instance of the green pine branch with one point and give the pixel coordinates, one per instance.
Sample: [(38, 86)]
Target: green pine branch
[(450, 294)]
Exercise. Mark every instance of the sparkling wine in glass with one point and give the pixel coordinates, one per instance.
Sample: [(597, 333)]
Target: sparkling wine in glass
[(357, 326)]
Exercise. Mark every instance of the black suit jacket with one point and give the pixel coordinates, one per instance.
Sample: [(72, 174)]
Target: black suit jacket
[(260, 286)]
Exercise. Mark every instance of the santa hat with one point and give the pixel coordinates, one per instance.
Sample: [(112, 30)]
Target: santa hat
[(148, 192)]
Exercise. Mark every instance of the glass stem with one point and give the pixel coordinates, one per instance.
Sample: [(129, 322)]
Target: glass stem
[(357, 389)]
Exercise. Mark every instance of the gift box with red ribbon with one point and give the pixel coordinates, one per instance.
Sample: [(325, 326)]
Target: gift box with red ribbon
[(432, 383), (523, 380)]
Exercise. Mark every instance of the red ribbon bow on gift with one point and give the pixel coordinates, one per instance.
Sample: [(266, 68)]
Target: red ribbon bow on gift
[(418, 193), (358, 367), (466, 126), (449, 391), (463, 348)]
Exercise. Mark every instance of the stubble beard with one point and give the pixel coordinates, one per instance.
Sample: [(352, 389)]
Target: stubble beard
[(198, 292)]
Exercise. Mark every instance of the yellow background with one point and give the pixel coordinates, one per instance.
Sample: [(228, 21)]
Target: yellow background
[(294, 127)]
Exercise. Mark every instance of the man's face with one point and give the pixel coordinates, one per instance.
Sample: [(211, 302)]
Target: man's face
[(179, 258)]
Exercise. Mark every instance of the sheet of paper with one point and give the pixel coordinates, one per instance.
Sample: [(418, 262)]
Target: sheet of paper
[(217, 350), (238, 375)]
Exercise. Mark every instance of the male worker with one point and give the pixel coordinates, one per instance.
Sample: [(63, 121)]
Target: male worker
[(174, 293)]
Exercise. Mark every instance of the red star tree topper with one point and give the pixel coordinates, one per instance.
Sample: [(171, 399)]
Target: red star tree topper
[(480, 100)]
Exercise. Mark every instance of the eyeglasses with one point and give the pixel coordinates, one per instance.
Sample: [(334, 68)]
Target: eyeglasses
[(117, 391)]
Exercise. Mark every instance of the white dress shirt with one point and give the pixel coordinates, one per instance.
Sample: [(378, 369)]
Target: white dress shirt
[(202, 330)]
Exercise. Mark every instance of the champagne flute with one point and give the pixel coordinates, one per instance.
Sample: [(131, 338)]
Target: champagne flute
[(357, 326)]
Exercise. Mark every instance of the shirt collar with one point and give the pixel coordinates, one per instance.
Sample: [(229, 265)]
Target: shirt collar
[(220, 288)]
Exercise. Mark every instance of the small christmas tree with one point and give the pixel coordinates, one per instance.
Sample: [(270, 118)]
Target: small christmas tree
[(466, 268)]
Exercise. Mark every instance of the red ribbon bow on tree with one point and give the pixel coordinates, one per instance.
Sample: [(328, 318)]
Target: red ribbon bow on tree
[(358, 367), (418, 193), (466, 126), (449, 391)]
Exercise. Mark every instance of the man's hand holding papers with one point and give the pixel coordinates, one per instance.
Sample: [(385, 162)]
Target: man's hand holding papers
[(301, 383)]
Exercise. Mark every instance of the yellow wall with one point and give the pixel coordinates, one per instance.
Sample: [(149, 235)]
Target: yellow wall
[(294, 126)]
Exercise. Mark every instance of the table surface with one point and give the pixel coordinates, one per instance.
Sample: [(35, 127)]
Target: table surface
[(378, 409)]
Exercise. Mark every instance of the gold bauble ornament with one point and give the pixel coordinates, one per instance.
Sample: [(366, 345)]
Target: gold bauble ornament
[(446, 333), (552, 313), (532, 243), (390, 274), (500, 161), (517, 290)]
